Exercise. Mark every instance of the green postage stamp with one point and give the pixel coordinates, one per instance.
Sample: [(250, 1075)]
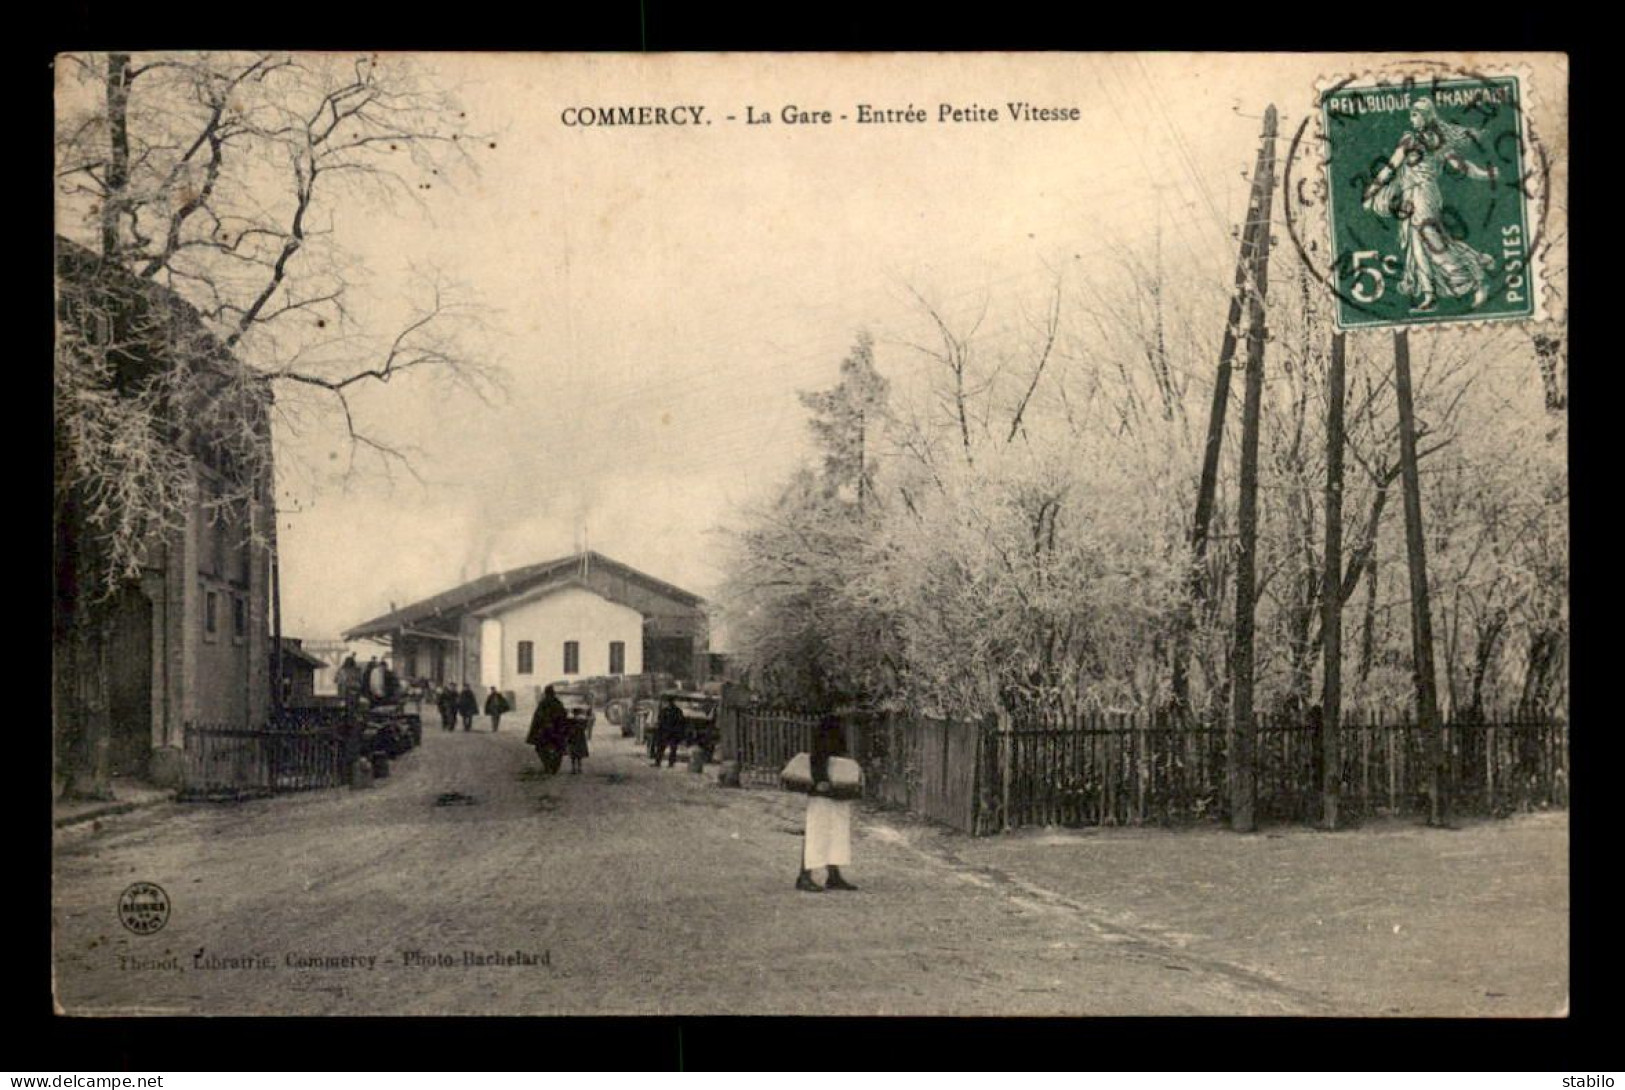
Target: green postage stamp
[(1430, 193)]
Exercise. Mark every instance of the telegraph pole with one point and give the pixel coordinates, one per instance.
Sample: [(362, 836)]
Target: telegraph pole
[(1243, 781), (1255, 225), (1331, 593), (1427, 692), (276, 636)]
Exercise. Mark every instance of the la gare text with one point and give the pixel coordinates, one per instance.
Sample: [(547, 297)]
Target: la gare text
[(864, 113)]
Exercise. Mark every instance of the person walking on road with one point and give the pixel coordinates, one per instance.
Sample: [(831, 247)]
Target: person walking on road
[(348, 679), (378, 685), (467, 707), (828, 842), (549, 731), (495, 705), (577, 741), (669, 730), (446, 701)]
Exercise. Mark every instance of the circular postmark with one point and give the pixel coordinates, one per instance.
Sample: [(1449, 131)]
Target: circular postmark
[(1435, 192), (143, 908)]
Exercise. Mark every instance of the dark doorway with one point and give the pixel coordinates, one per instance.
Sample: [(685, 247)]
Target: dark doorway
[(672, 655), (129, 680)]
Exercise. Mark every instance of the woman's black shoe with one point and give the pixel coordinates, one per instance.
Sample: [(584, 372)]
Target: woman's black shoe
[(807, 885), (835, 881)]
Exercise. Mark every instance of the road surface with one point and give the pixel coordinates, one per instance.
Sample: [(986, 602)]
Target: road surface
[(469, 883)]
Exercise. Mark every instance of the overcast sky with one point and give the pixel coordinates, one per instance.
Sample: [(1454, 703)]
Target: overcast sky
[(664, 291)]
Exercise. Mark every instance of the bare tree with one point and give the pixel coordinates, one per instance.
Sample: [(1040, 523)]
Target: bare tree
[(220, 177), (212, 297)]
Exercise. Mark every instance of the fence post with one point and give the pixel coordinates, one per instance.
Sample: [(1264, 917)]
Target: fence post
[(1393, 764), (1560, 731), (1365, 763), (1141, 772), (977, 756), (1102, 721), (1002, 718), (733, 751)]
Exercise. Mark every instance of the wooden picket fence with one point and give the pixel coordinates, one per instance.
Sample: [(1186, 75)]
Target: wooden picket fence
[(761, 741), (305, 752), (932, 767), (1121, 768), (1103, 768), (1106, 769)]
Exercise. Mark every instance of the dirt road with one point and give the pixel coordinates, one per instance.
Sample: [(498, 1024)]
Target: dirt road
[(1387, 919), (626, 890)]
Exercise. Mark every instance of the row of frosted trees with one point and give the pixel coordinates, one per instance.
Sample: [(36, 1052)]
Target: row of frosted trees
[(1001, 505)]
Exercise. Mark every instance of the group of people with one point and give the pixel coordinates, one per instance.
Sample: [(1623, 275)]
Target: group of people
[(556, 734), (375, 682), (454, 704), (827, 844)]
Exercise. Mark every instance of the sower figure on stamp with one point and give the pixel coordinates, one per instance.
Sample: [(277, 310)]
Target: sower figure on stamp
[(828, 842), (1406, 189)]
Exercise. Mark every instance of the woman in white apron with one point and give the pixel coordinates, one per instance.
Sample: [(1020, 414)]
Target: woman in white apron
[(828, 842)]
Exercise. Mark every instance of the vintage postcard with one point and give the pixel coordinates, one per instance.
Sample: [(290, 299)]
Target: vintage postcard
[(920, 534)]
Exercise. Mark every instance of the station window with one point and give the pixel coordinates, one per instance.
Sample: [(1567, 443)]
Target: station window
[(239, 618), (527, 657), (211, 615), (572, 657), (617, 657)]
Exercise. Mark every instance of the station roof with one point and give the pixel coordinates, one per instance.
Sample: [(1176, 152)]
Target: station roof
[(452, 605)]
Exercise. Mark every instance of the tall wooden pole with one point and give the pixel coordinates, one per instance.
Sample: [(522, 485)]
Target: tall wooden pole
[(1427, 693), (1256, 224), (274, 556), (276, 638), (1331, 593), (1243, 781), (117, 200)]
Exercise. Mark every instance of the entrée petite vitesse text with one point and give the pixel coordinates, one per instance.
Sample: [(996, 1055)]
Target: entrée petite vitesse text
[(864, 113)]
